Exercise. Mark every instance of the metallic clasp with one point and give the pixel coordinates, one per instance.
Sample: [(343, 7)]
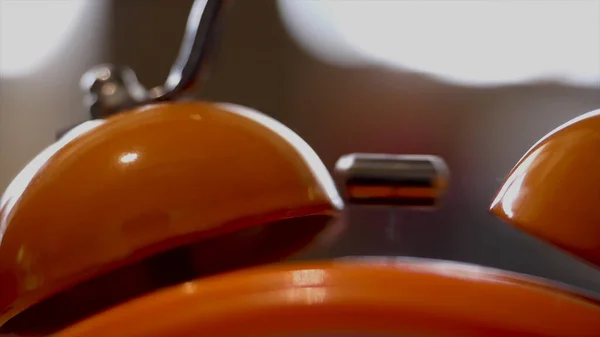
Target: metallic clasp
[(393, 180)]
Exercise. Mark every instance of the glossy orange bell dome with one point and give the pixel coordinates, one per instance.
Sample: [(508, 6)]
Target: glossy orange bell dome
[(378, 298), (112, 193), (554, 190)]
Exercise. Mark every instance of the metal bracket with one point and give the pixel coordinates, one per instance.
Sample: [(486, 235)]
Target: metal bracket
[(111, 89)]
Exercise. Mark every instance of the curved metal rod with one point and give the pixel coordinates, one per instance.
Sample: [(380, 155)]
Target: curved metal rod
[(202, 29), (111, 89)]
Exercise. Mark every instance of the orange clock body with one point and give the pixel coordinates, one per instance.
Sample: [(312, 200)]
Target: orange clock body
[(353, 299)]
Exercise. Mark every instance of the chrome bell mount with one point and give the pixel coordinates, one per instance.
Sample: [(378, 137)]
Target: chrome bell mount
[(415, 181), (110, 89)]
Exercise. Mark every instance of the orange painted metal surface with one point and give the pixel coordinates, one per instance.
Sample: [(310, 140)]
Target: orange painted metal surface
[(553, 192), (401, 299), (105, 202), (116, 191)]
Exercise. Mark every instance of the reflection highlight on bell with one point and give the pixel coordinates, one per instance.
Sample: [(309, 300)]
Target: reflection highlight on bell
[(189, 287), (129, 157), (307, 278), (307, 295), (307, 286)]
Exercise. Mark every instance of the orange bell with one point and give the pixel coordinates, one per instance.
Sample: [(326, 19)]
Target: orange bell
[(553, 190), (149, 181)]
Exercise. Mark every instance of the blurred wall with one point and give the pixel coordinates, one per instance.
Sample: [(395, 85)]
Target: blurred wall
[(480, 132), (33, 107)]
